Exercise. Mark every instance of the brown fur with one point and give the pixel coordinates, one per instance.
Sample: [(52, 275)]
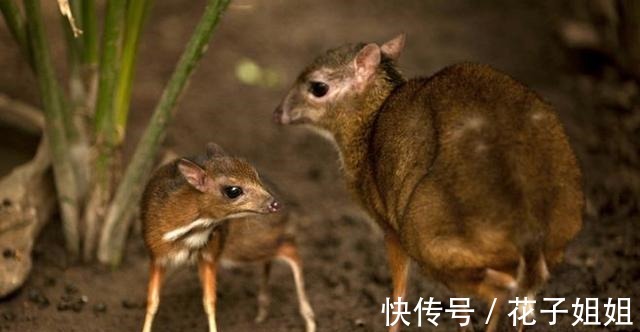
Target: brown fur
[(256, 239), (171, 202), (468, 169)]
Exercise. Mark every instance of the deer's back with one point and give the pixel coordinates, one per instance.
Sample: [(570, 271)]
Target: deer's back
[(470, 152)]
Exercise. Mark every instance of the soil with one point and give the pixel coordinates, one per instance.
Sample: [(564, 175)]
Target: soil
[(345, 269)]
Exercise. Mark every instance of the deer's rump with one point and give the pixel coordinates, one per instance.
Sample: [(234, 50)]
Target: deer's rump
[(478, 170)]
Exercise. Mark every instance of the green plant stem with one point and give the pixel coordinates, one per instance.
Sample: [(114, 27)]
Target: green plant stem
[(105, 143), (78, 102), (54, 126), (108, 70), (107, 151), (90, 52), (129, 191), (14, 21), (16, 26), (89, 68), (136, 16), (74, 49), (76, 10), (90, 32), (74, 45)]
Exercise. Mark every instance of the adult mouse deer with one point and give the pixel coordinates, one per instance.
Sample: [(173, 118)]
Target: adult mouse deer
[(468, 172)]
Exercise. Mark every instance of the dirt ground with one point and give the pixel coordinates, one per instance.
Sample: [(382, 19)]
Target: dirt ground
[(345, 269)]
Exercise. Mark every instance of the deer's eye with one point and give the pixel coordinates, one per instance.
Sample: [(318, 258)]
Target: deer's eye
[(232, 192), (318, 89)]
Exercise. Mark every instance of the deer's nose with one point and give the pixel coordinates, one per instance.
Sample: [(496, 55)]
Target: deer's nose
[(274, 206)]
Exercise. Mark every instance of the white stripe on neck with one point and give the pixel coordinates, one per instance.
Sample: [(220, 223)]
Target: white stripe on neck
[(181, 231)]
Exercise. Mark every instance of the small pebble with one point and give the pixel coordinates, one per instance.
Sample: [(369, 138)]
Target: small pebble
[(6, 202), (70, 289), (128, 304), (360, 322), (49, 281), (8, 253), (35, 296), (9, 316), (77, 306), (99, 307), (44, 302)]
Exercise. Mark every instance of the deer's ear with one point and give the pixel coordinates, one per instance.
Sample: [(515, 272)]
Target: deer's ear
[(366, 62), (394, 47), (194, 174), (215, 150)]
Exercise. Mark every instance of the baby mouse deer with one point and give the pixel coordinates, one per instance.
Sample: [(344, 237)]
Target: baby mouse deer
[(468, 172), (185, 208)]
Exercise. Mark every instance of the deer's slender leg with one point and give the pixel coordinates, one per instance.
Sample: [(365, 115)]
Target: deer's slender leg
[(207, 270), (156, 275), (399, 265), (289, 253), (264, 298)]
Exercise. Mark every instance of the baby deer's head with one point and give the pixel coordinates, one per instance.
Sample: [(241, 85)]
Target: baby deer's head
[(226, 187), (341, 83)]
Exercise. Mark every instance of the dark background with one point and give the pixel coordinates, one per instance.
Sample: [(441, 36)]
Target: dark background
[(345, 269)]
